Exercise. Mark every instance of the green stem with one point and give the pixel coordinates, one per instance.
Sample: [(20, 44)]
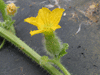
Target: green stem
[(4, 14), (3, 11), (60, 66), (27, 50), (2, 43)]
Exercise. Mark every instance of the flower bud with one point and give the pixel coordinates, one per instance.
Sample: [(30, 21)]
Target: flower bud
[(11, 9)]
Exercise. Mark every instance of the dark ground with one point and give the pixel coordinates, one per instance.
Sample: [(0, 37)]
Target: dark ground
[(84, 48)]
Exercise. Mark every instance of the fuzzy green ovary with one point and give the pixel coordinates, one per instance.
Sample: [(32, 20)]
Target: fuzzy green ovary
[(52, 44)]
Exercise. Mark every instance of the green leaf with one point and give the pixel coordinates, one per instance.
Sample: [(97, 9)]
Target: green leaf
[(63, 52), (65, 46), (8, 25)]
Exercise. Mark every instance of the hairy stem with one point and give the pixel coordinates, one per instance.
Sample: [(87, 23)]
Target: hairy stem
[(56, 62), (27, 50), (2, 43)]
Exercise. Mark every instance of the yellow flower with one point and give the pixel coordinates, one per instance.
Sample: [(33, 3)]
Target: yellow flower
[(11, 9), (46, 20)]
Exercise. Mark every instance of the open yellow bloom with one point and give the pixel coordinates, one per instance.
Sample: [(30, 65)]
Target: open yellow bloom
[(46, 20)]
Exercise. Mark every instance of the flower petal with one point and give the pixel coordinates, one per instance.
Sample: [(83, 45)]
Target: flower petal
[(44, 14), (55, 27), (35, 32), (56, 15), (40, 22), (31, 20)]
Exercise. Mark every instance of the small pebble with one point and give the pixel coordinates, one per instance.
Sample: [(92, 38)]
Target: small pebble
[(64, 14)]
